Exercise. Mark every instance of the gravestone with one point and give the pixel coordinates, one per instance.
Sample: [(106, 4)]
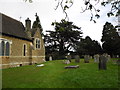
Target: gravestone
[(77, 58), (102, 62), (86, 59), (117, 56), (69, 57), (50, 58), (91, 57), (107, 56), (69, 67), (118, 62), (96, 58), (66, 62)]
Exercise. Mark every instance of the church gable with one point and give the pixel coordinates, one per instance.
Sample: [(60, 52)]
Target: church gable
[(38, 41)]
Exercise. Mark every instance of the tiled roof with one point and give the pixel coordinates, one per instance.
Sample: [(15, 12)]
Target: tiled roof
[(13, 27)]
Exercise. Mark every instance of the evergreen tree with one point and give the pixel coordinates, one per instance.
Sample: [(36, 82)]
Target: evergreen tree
[(110, 39), (64, 38), (88, 46)]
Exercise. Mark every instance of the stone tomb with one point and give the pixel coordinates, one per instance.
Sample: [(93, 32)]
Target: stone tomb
[(70, 67)]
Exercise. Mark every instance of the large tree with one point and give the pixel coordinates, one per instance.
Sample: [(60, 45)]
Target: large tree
[(64, 38), (88, 46), (110, 39)]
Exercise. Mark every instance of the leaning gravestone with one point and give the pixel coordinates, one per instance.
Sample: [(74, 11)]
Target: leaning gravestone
[(86, 59), (77, 58), (102, 62)]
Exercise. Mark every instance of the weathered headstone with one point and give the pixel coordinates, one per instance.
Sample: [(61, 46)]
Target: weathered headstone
[(107, 56), (102, 62), (77, 58), (118, 62), (69, 57), (117, 56), (50, 58), (86, 58), (66, 62), (91, 57), (96, 58)]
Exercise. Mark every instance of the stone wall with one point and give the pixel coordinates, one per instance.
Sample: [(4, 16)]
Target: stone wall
[(38, 55), (16, 47), (10, 61), (17, 58)]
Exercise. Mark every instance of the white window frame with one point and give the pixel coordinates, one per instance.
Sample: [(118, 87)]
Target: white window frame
[(37, 44), (5, 41)]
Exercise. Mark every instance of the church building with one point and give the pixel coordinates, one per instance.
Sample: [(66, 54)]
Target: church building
[(20, 45)]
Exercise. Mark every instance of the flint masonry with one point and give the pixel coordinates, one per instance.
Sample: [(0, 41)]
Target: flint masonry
[(19, 45)]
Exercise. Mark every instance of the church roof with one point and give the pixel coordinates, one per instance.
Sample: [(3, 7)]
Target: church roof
[(12, 27), (33, 31)]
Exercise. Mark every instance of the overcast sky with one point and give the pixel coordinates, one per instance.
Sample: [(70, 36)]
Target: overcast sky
[(47, 14)]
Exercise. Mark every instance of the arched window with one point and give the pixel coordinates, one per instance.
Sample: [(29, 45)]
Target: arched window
[(38, 43), (7, 49), (2, 48)]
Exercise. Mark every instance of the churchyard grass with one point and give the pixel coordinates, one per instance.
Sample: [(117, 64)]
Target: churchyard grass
[(53, 75)]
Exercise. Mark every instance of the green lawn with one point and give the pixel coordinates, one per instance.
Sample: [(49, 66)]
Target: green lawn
[(53, 75)]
